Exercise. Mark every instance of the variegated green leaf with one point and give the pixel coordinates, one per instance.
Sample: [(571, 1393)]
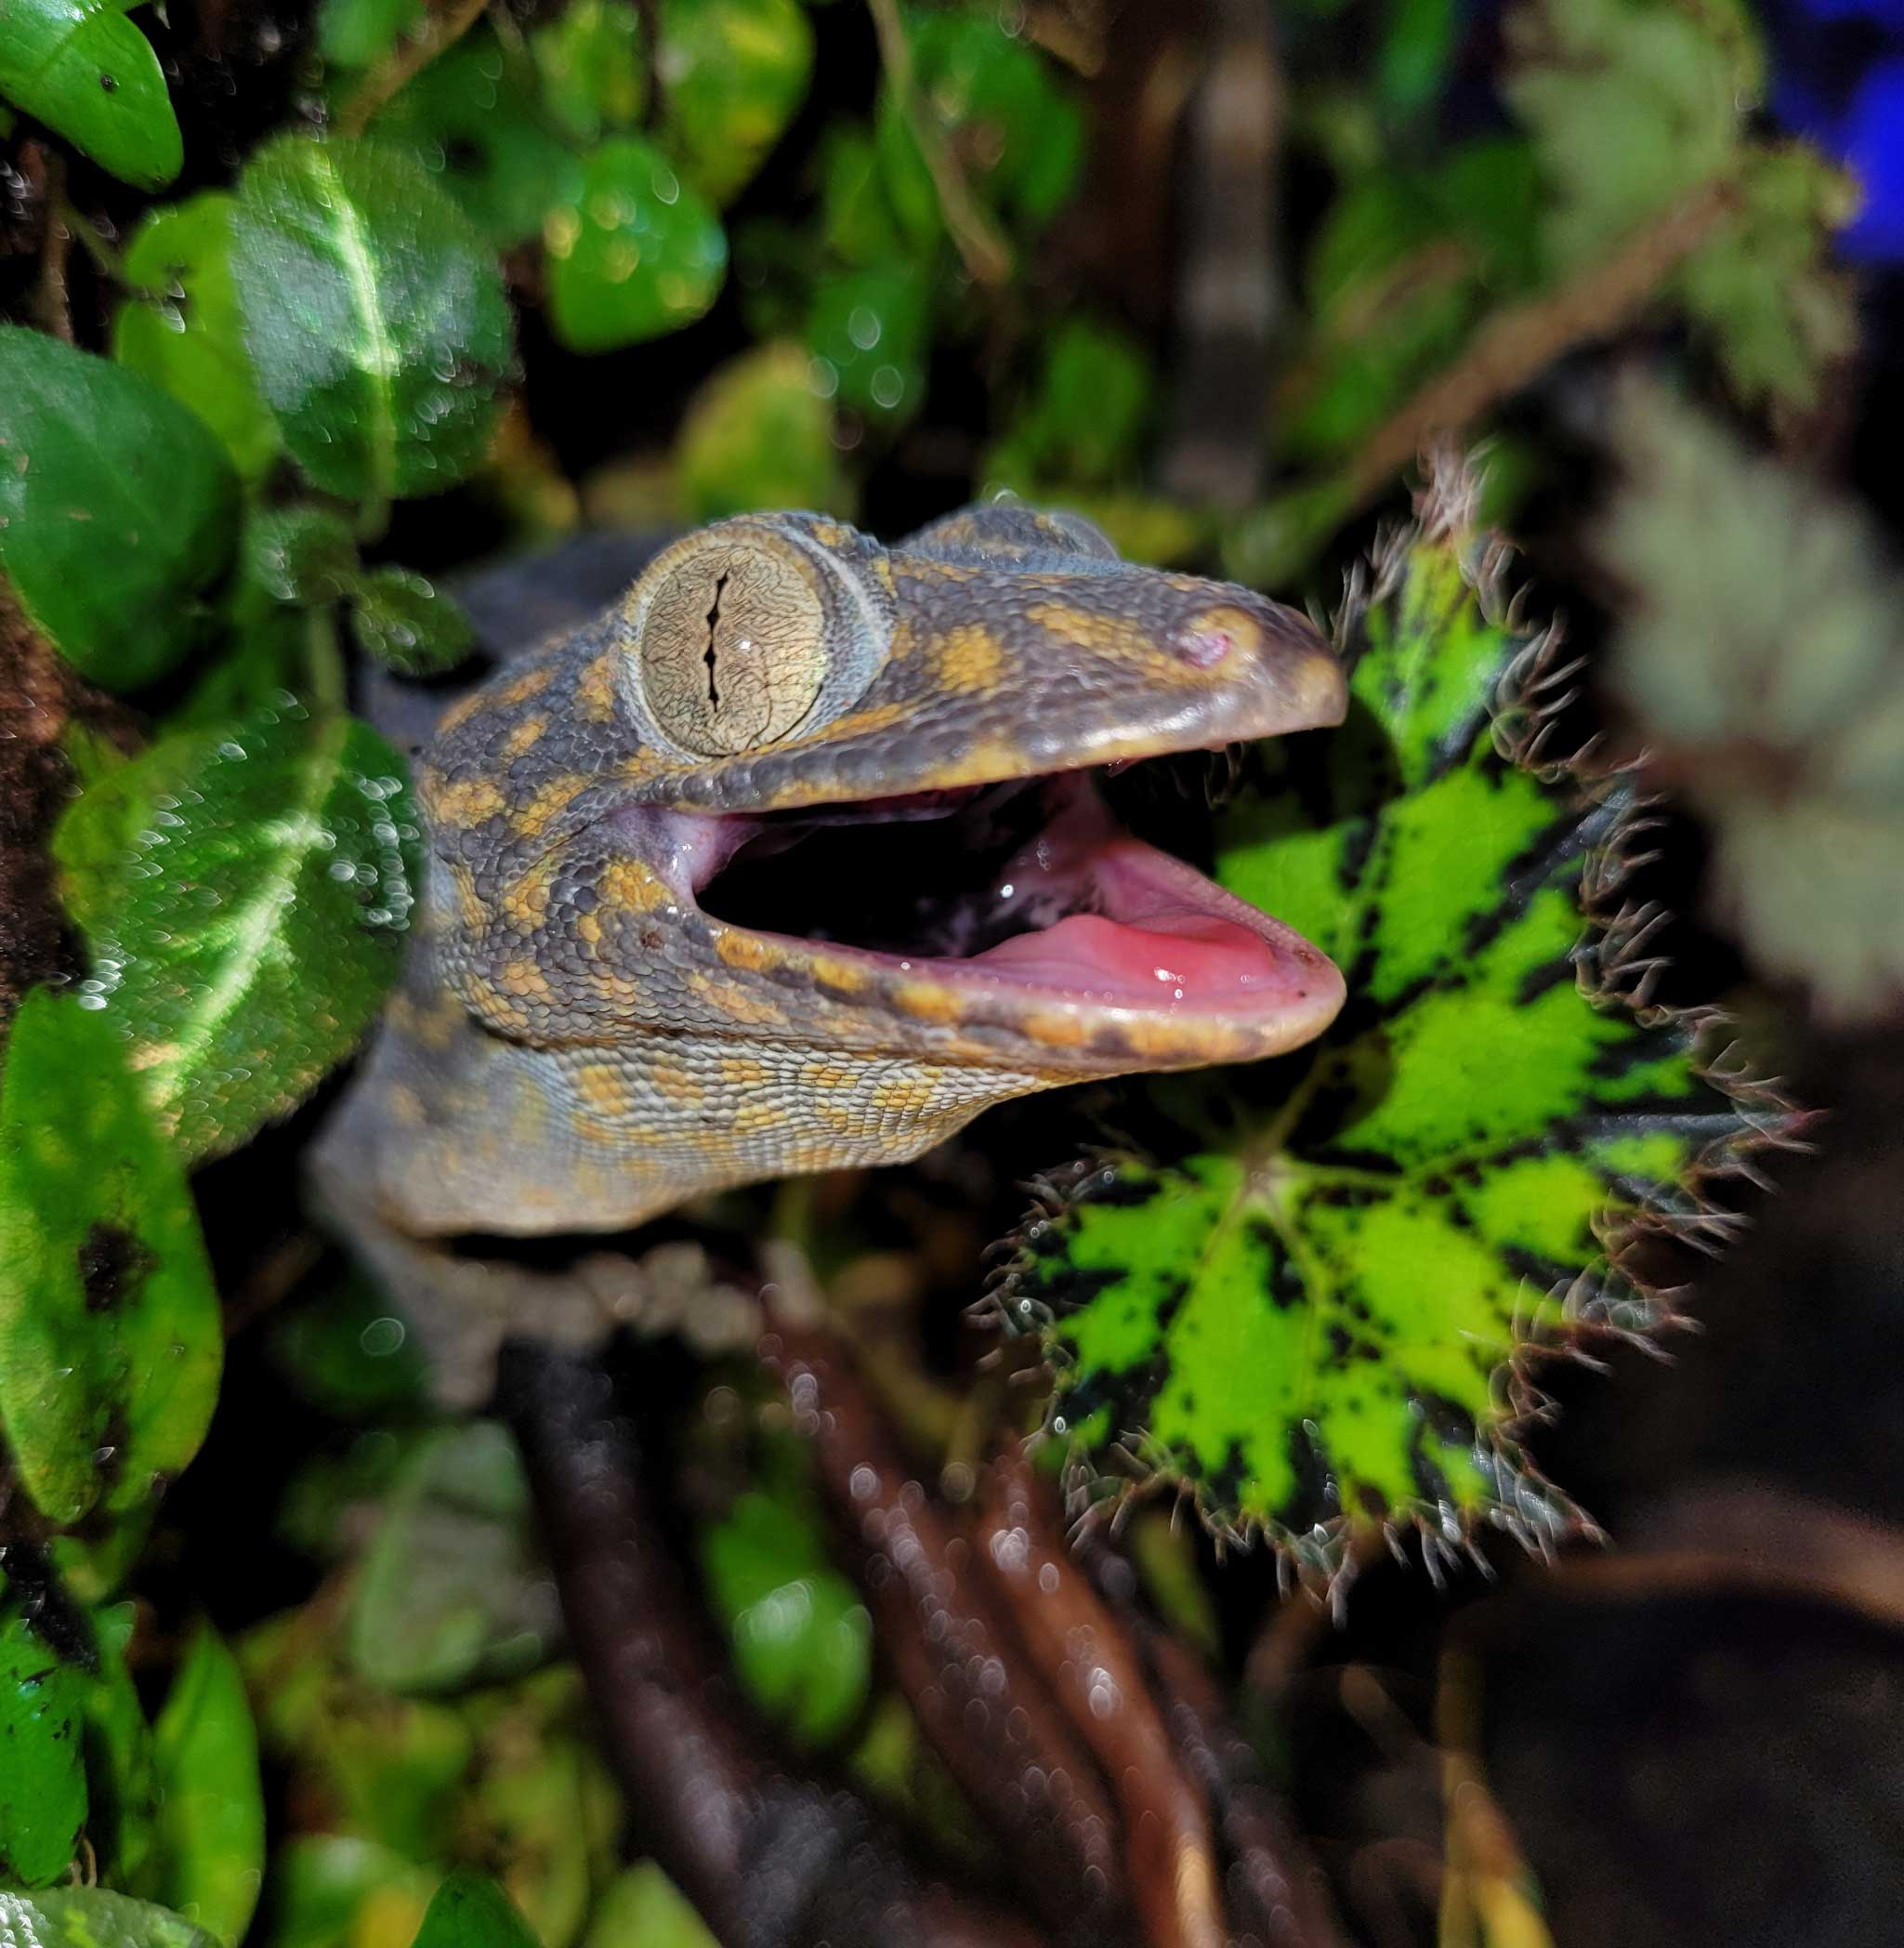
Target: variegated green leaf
[(1316, 1311)]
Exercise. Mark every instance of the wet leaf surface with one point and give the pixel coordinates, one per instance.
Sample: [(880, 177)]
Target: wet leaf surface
[(110, 1339), (375, 315), (404, 620), (246, 892), (93, 1917), (84, 69), (117, 509)]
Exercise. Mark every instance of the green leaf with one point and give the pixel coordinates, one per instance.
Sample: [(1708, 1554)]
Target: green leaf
[(802, 1639), (90, 75), (868, 331), (117, 509), (211, 1834), (471, 1911), (180, 327), (594, 73), (1086, 417), (1315, 1309), (321, 1884), (450, 1590), (244, 937), (91, 1918), (405, 620), (122, 1822), (1759, 651), (374, 314), (300, 557), (473, 119), (1416, 50), (643, 1905), (757, 435), (110, 1341), (42, 1786), (1019, 134), (733, 71), (632, 251), (355, 33)]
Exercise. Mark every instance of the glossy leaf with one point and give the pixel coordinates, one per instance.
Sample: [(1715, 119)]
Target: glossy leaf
[(42, 1784), (1315, 1308), (757, 435), (593, 67), (302, 557), (868, 334), (181, 328), (634, 252), (450, 1590), (211, 1824), (473, 119), (802, 1640), (92, 1917), (245, 891), (117, 509), (734, 72), (404, 620), (471, 1911), (110, 1339), (373, 313), (82, 68)]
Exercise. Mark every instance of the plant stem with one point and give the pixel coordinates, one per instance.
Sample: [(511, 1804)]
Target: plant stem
[(985, 254), (408, 59), (323, 661)]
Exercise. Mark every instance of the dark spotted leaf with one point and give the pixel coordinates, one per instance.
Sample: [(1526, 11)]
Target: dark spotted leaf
[(85, 71), (93, 1917), (245, 890), (1316, 1309), (117, 509), (110, 1341), (42, 1786), (375, 316)]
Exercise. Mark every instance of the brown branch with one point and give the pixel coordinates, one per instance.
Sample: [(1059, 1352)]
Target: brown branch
[(992, 1721), (770, 1860), (986, 254), (1520, 342), (438, 29), (1090, 1663)]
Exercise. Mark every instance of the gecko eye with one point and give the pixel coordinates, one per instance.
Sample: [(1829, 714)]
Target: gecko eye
[(732, 647)]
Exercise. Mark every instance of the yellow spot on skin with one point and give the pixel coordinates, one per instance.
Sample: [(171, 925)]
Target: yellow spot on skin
[(1179, 1042), (437, 1027), (848, 976), (1098, 635), (524, 979), (526, 904), (928, 1001), (470, 910), (519, 690), (458, 807), (525, 736), (630, 884), (594, 689), (404, 1106), (829, 533), (970, 660), (743, 1071), (907, 1096), (604, 1089), (1055, 1028), (495, 1007), (676, 1083), (737, 1003), (745, 950), (534, 817), (588, 929), (462, 709)]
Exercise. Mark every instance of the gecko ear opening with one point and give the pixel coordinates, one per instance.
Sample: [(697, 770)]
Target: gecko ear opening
[(732, 646)]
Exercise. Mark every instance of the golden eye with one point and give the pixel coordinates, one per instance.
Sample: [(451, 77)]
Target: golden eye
[(732, 649)]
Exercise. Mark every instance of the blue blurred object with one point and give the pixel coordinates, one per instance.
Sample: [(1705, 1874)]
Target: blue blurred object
[(1843, 85)]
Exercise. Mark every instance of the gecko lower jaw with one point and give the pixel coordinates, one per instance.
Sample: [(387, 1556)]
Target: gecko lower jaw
[(1030, 893)]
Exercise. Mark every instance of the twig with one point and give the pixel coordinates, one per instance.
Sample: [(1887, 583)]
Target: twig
[(51, 305), (408, 59), (1521, 341), (771, 1861), (1089, 1662), (985, 254), (991, 1718)]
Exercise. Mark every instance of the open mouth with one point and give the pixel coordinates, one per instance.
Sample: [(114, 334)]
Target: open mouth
[(1031, 890)]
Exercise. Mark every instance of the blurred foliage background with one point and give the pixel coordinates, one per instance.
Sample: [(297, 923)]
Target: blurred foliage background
[(310, 308)]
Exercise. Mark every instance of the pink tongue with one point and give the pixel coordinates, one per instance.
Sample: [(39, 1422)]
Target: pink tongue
[(1194, 958)]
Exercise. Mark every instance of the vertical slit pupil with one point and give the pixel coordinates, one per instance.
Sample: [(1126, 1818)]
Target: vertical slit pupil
[(713, 623)]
